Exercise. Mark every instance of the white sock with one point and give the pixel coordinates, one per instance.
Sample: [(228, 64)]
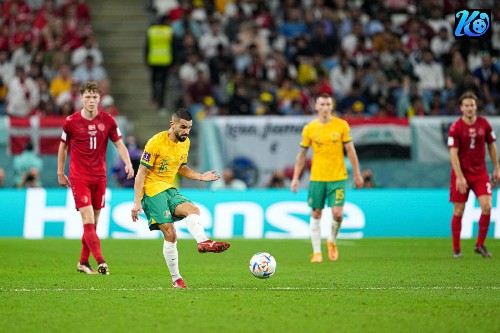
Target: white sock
[(195, 228), (315, 234), (172, 259), (335, 231)]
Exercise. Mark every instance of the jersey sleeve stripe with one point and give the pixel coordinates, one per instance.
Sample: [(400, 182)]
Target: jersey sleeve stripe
[(146, 165)]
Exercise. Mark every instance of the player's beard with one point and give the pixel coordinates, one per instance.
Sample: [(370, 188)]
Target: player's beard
[(180, 137)]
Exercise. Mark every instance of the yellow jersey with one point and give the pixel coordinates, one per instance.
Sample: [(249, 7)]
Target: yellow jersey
[(327, 143), (163, 158)]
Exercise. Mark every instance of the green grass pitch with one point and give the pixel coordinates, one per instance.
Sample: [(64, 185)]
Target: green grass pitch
[(378, 285)]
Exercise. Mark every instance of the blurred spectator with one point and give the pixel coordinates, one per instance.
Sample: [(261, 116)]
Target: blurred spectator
[(158, 53), (185, 25), (30, 179), (62, 82), (28, 163), (89, 71), (89, 47), (484, 74), (210, 40), (7, 68), (430, 75), (239, 104), (47, 106), (278, 180), (23, 95), (456, 71), (441, 43), (196, 92), (118, 172), (228, 182), (367, 175), (108, 105), (188, 72), (342, 78), (22, 56)]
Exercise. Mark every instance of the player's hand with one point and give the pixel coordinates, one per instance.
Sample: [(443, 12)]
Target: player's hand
[(210, 176), (129, 170), (63, 180), (136, 209), (358, 181), (294, 185), (461, 185), (495, 178)]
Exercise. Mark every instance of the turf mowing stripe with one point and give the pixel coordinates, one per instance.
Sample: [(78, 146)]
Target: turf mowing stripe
[(25, 290)]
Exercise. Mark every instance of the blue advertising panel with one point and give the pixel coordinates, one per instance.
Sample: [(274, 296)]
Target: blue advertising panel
[(41, 213)]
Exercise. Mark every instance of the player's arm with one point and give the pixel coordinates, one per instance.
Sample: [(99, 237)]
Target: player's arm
[(124, 155), (353, 158), (62, 155), (300, 163), (461, 182), (138, 188), (208, 176), (492, 149)]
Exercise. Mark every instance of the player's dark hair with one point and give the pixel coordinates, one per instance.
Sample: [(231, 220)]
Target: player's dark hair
[(181, 113), (466, 95), (90, 86)]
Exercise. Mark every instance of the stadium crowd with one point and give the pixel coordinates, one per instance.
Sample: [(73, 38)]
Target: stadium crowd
[(47, 49), (379, 58)]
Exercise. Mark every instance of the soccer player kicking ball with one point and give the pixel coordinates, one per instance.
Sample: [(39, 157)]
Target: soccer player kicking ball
[(165, 156), (467, 139), (328, 136), (86, 133)]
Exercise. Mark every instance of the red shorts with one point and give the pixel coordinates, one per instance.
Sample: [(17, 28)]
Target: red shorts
[(480, 186), (89, 192)]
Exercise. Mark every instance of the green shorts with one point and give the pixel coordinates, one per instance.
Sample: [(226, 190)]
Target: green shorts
[(333, 192), (160, 208)]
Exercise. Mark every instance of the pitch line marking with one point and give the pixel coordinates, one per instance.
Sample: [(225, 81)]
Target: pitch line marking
[(28, 290)]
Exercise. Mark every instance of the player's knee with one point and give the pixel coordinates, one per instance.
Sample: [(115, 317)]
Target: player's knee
[(486, 209), (338, 217), (88, 220), (316, 214)]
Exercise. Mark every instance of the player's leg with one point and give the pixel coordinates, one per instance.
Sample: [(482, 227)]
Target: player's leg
[(458, 199), (336, 200), (456, 227), (483, 192), (316, 200), (315, 229), (182, 207), (98, 192), (160, 217), (90, 234), (82, 194), (171, 254)]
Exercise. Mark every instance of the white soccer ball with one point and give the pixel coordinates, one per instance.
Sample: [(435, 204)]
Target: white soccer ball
[(262, 265)]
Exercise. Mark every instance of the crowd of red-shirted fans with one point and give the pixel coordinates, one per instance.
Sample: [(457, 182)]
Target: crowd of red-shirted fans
[(378, 58), (47, 49)]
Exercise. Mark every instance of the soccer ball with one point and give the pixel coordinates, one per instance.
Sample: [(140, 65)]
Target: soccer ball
[(262, 265)]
